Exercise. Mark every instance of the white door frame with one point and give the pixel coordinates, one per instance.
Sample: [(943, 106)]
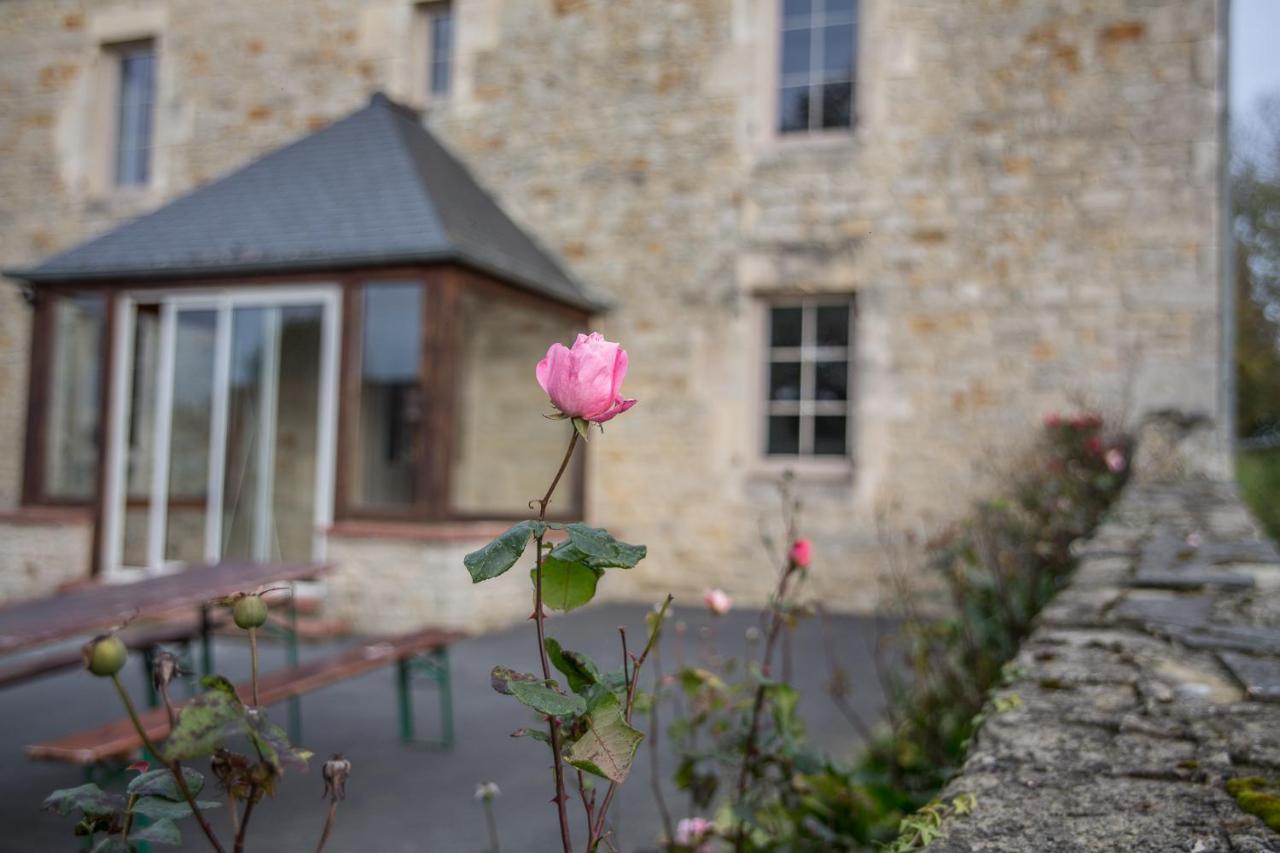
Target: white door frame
[(223, 301)]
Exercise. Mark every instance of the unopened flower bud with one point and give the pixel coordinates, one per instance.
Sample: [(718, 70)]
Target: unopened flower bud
[(164, 668), (105, 656), (250, 612), (487, 791), (335, 772)]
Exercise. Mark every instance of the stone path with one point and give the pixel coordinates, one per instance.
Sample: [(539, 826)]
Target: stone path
[(1150, 681)]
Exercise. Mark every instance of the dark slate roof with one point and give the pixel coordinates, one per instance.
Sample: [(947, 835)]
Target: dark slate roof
[(374, 188)]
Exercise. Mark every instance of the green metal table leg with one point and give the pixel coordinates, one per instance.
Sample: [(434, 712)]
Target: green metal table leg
[(444, 682), (404, 691), (206, 645), (295, 704)]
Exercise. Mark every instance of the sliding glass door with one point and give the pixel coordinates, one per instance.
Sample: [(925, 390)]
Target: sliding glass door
[(222, 428)]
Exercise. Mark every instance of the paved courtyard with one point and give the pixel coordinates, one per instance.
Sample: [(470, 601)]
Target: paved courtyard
[(405, 799)]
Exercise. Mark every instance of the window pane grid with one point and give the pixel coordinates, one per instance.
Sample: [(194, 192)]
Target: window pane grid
[(439, 18), (814, 423), (811, 95), (134, 118)]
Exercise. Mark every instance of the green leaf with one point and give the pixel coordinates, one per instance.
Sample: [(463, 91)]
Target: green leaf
[(163, 831), (202, 724), (502, 553), (546, 700), (219, 683), (608, 747), (88, 798), (157, 808), (566, 586), (597, 548), (160, 783), (581, 670), (273, 743), (502, 676), (536, 734)]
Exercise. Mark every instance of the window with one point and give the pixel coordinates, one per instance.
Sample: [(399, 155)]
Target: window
[(808, 369), (389, 420), (135, 111), (73, 382), (437, 34), (817, 60)]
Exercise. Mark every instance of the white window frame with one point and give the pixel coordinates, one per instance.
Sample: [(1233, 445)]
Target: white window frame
[(117, 53), (808, 354), (776, 78), (223, 301)]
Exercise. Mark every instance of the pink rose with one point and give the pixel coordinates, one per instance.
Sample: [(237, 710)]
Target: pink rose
[(1115, 460), (717, 601), (585, 381), (692, 831), (1052, 420), (800, 554)]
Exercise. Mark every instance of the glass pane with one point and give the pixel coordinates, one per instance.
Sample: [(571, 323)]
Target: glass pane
[(784, 435), (784, 326), (832, 380), (796, 10), (141, 448), (293, 498), (829, 435), (784, 380), (441, 51), (840, 10), (833, 325), (793, 109), (837, 105), (189, 434), (75, 381), (391, 405), (837, 52), (795, 53), (240, 497), (492, 471), (134, 115)]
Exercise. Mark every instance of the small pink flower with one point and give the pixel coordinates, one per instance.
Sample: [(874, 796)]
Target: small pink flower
[(585, 381), (1052, 420), (800, 553), (1115, 460), (717, 601), (1094, 445), (691, 831)]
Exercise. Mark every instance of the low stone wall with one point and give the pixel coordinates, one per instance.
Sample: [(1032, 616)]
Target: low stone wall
[(1152, 679), (43, 550)]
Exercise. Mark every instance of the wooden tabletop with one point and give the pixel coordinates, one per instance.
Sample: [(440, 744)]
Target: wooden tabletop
[(87, 610)]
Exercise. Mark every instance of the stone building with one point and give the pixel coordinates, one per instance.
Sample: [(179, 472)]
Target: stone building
[(867, 241)]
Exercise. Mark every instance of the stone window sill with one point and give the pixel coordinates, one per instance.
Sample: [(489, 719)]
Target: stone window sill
[(37, 514), (836, 472)]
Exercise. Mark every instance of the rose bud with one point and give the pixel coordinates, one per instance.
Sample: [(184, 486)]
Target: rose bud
[(164, 668), (487, 791), (335, 772), (250, 612), (800, 554), (585, 382), (717, 601), (105, 656)]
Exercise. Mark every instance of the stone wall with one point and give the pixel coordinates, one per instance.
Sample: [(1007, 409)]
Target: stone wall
[(41, 552), (1150, 681), (1026, 211)]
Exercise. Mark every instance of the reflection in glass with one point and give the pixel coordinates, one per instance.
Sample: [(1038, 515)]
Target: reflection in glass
[(391, 406), (75, 380), (795, 52), (785, 326), (832, 380), (189, 434), (784, 434), (784, 380), (240, 492), (837, 52), (833, 325), (829, 435), (141, 446), (293, 499)]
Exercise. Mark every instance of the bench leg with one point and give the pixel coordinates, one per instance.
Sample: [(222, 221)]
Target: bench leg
[(434, 666)]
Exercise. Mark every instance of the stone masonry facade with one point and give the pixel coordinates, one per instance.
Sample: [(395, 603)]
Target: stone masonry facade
[(1149, 683), (1027, 212)]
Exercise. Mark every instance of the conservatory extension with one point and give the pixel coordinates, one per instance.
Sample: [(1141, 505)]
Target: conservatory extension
[(323, 355)]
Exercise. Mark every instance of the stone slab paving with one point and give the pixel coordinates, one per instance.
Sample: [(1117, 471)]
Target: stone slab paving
[(412, 800), (1150, 680)]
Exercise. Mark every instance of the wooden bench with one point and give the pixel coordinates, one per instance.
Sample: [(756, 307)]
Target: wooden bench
[(422, 653), (141, 639)]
